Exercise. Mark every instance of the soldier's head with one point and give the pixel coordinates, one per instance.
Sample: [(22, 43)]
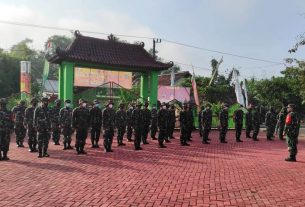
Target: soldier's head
[(3, 103), (34, 102), (67, 103), (284, 110), (110, 104), (96, 103), (22, 103), (45, 101), (57, 102), (163, 105), (290, 108), (82, 103), (208, 106), (146, 104), (139, 105), (122, 106), (202, 107), (173, 107)]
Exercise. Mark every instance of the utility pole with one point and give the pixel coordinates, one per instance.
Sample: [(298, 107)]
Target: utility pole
[(154, 46)]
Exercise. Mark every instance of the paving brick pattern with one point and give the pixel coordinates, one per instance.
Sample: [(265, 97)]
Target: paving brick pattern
[(233, 174)]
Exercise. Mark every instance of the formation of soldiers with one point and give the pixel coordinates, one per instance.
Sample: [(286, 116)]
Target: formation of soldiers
[(41, 123)]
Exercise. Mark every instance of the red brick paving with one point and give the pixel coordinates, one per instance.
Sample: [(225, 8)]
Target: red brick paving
[(233, 174)]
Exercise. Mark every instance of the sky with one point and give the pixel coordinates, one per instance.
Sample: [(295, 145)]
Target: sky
[(261, 29)]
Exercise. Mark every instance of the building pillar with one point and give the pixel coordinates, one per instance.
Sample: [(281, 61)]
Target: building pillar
[(67, 82), (144, 87), (61, 82), (153, 88)]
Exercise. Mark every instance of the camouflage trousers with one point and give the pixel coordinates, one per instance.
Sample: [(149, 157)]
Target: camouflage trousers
[(255, 131), (248, 129), (145, 132), (95, 134), (129, 132), (270, 131), (67, 132), (292, 143), (137, 137), (223, 133), (238, 130), (171, 129), (281, 131), (5, 139), (56, 132), (20, 132), (121, 132), (153, 129), (32, 134), (43, 138), (162, 136), (108, 138), (183, 135), (81, 136)]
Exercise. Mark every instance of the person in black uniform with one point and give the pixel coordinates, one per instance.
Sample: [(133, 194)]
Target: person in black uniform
[(146, 122), (129, 121), (270, 121), (168, 123), (154, 122), (238, 117), (121, 120), (172, 121), (137, 125), (206, 120), (184, 126), (42, 123), (249, 121), (96, 123), (199, 121), (55, 122), (65, 120), (162, 125), (108, 126), (28, 123), (6, 128), (81, 123), (18, 116), (255, 123), (223, 118)]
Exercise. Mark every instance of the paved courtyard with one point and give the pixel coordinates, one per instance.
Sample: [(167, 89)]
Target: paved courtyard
[(233, 174)]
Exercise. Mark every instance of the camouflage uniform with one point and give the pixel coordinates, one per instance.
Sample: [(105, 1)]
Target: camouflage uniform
[(190, 118), (28, 122), (238, 120), (96, 118), (172, 121), (154, 123), (55, 122), (18, 116), (206, 120), (168, 123), (255, 123), (248, 122), (6, 127), (65, 118), (199, 121), (183, 126), (129, 122), (108, 126), (42, 123), (81, 122), (137, 125), (292, 126), (270, 121), (121, 120), (146, 123), (162, 125), (281, 122), (223, 119)]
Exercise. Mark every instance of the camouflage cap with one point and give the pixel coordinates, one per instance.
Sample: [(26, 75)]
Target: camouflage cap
[(80, 101), (34, 100), (22, 102), (291, 106), (3, 101), (146, 103), (139, 103), (67, 101), (121, 104), (57, 101), (43, 99), (95, 101)]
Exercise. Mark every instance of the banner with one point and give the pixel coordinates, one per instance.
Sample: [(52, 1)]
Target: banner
[(25, 77), (238, 91), (169, 93), (87, 77)]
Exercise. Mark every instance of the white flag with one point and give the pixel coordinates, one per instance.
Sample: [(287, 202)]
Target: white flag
[(246, 92), (238, 91)]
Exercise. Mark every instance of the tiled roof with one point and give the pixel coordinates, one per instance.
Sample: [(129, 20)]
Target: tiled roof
[(108, 52), (165, 79)]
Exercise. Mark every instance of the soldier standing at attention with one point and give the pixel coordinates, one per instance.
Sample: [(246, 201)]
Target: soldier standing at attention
[(55, 122), (162, 125), (255, 123), (249, 122), (172, 121), (81, 122), (42, 123), (146, 122), (129, 122), (238, 117), (121, 120), (137, 125), (292, 127), (190, 119), (28, 123), (108, 126), (183, 126), (6, 128), (65, 119), (270, 121), (199, 121), (223, 118), (206, 120), (168, 123), (154, 122), (18, 116), (281, 122), (95, 123)]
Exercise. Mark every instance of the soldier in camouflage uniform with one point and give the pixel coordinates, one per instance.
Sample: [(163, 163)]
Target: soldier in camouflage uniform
[(146, 122), (281, 123), (154, 122), (206, 120), (108, 126), (121, 121), (55, 122), (18, 116), (6, 128), (223, 119), (162, 125), (270, 121), (129, 122), (42, 123), (172, 121), (168, 123), (96, 118), (249, 122), (238, 118), (81, 122), (199, 121), (255, 123), (190, 122), (28, 123), (184, 126), (292, 127), (65, 119), (137, 125)]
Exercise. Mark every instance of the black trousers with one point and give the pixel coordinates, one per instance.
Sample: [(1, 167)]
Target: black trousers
[(223, 133), (238, 129)]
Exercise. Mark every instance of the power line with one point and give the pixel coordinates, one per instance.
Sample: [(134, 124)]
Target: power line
[(141, 37)]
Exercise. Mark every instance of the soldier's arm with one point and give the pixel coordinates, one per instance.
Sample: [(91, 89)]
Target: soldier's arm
[(74, 120)]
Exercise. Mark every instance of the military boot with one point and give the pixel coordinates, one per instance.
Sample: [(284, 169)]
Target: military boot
[(39, 153), (291, 159), (5, 156), (45, 152), (65, 146), (0, 155)]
